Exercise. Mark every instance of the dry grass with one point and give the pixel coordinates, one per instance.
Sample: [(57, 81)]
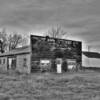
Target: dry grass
[(47, 86)]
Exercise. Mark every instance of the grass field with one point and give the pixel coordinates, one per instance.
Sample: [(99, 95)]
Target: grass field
[(50, 86)]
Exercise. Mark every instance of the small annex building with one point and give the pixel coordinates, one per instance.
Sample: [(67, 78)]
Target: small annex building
[(17, 59), (90, 59)]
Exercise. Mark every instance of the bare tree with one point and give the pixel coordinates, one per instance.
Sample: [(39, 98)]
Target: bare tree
[(1, 47), (10, 40), (13, 40), (56, 32), (3, 40), (25, 40)]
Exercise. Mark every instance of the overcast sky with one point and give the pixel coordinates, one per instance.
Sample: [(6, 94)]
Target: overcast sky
[(81, 18)]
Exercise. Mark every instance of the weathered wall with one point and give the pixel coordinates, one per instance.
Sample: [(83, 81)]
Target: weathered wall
[(23, 63), (85, 61), (3, 63), (94, 62), (52, 48), (90, 62)]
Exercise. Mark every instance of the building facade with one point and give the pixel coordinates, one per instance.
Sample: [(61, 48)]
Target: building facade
[(18, 59), (46, 49)]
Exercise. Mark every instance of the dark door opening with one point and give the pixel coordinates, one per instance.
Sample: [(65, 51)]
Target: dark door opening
[(11, 63)]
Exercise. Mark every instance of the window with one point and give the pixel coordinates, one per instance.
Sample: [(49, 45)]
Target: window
[(24, 62), (3, 61)]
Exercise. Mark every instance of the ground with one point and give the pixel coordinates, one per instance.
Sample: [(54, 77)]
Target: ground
[(50, 86)]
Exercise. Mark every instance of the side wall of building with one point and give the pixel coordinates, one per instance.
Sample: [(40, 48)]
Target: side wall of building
[(90, 62), (23, 63), (85, 61), (94, 62), (3, 63)]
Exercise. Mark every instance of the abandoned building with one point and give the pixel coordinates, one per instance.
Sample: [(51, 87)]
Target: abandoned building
[(17, 59), (42, 54)]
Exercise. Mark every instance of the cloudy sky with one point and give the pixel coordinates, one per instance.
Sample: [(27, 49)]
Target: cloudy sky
[(80, 18)]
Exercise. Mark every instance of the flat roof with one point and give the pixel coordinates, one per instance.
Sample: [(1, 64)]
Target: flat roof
[(91, 54), (17, 51), (55, 38)]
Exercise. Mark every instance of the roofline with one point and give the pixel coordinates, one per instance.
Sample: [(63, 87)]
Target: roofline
[(55, 38), (14, 54), (94, 54), (90, 52)]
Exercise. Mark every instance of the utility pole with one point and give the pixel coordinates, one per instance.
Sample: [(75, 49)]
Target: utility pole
[(88, 58), (88, 48)]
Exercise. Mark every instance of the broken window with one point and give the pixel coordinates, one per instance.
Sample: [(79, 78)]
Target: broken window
[(24, 62)]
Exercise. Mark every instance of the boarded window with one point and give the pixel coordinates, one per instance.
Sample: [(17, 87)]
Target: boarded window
[(24, 62), (3, 61)]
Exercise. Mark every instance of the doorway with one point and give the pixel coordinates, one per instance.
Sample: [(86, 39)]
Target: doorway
[(11, 63)]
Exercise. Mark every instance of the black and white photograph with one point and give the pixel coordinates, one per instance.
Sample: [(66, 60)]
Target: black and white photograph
[(49, 49)]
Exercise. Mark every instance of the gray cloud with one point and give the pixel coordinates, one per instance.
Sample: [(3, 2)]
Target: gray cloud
[(80, 17)]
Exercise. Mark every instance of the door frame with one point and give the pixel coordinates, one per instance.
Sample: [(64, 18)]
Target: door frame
[(13, 56)]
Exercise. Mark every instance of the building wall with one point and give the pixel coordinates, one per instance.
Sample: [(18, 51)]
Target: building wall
[(23, 63), (85, 61), (3, 63), (90, 62), (94, 62), (52, 48)]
